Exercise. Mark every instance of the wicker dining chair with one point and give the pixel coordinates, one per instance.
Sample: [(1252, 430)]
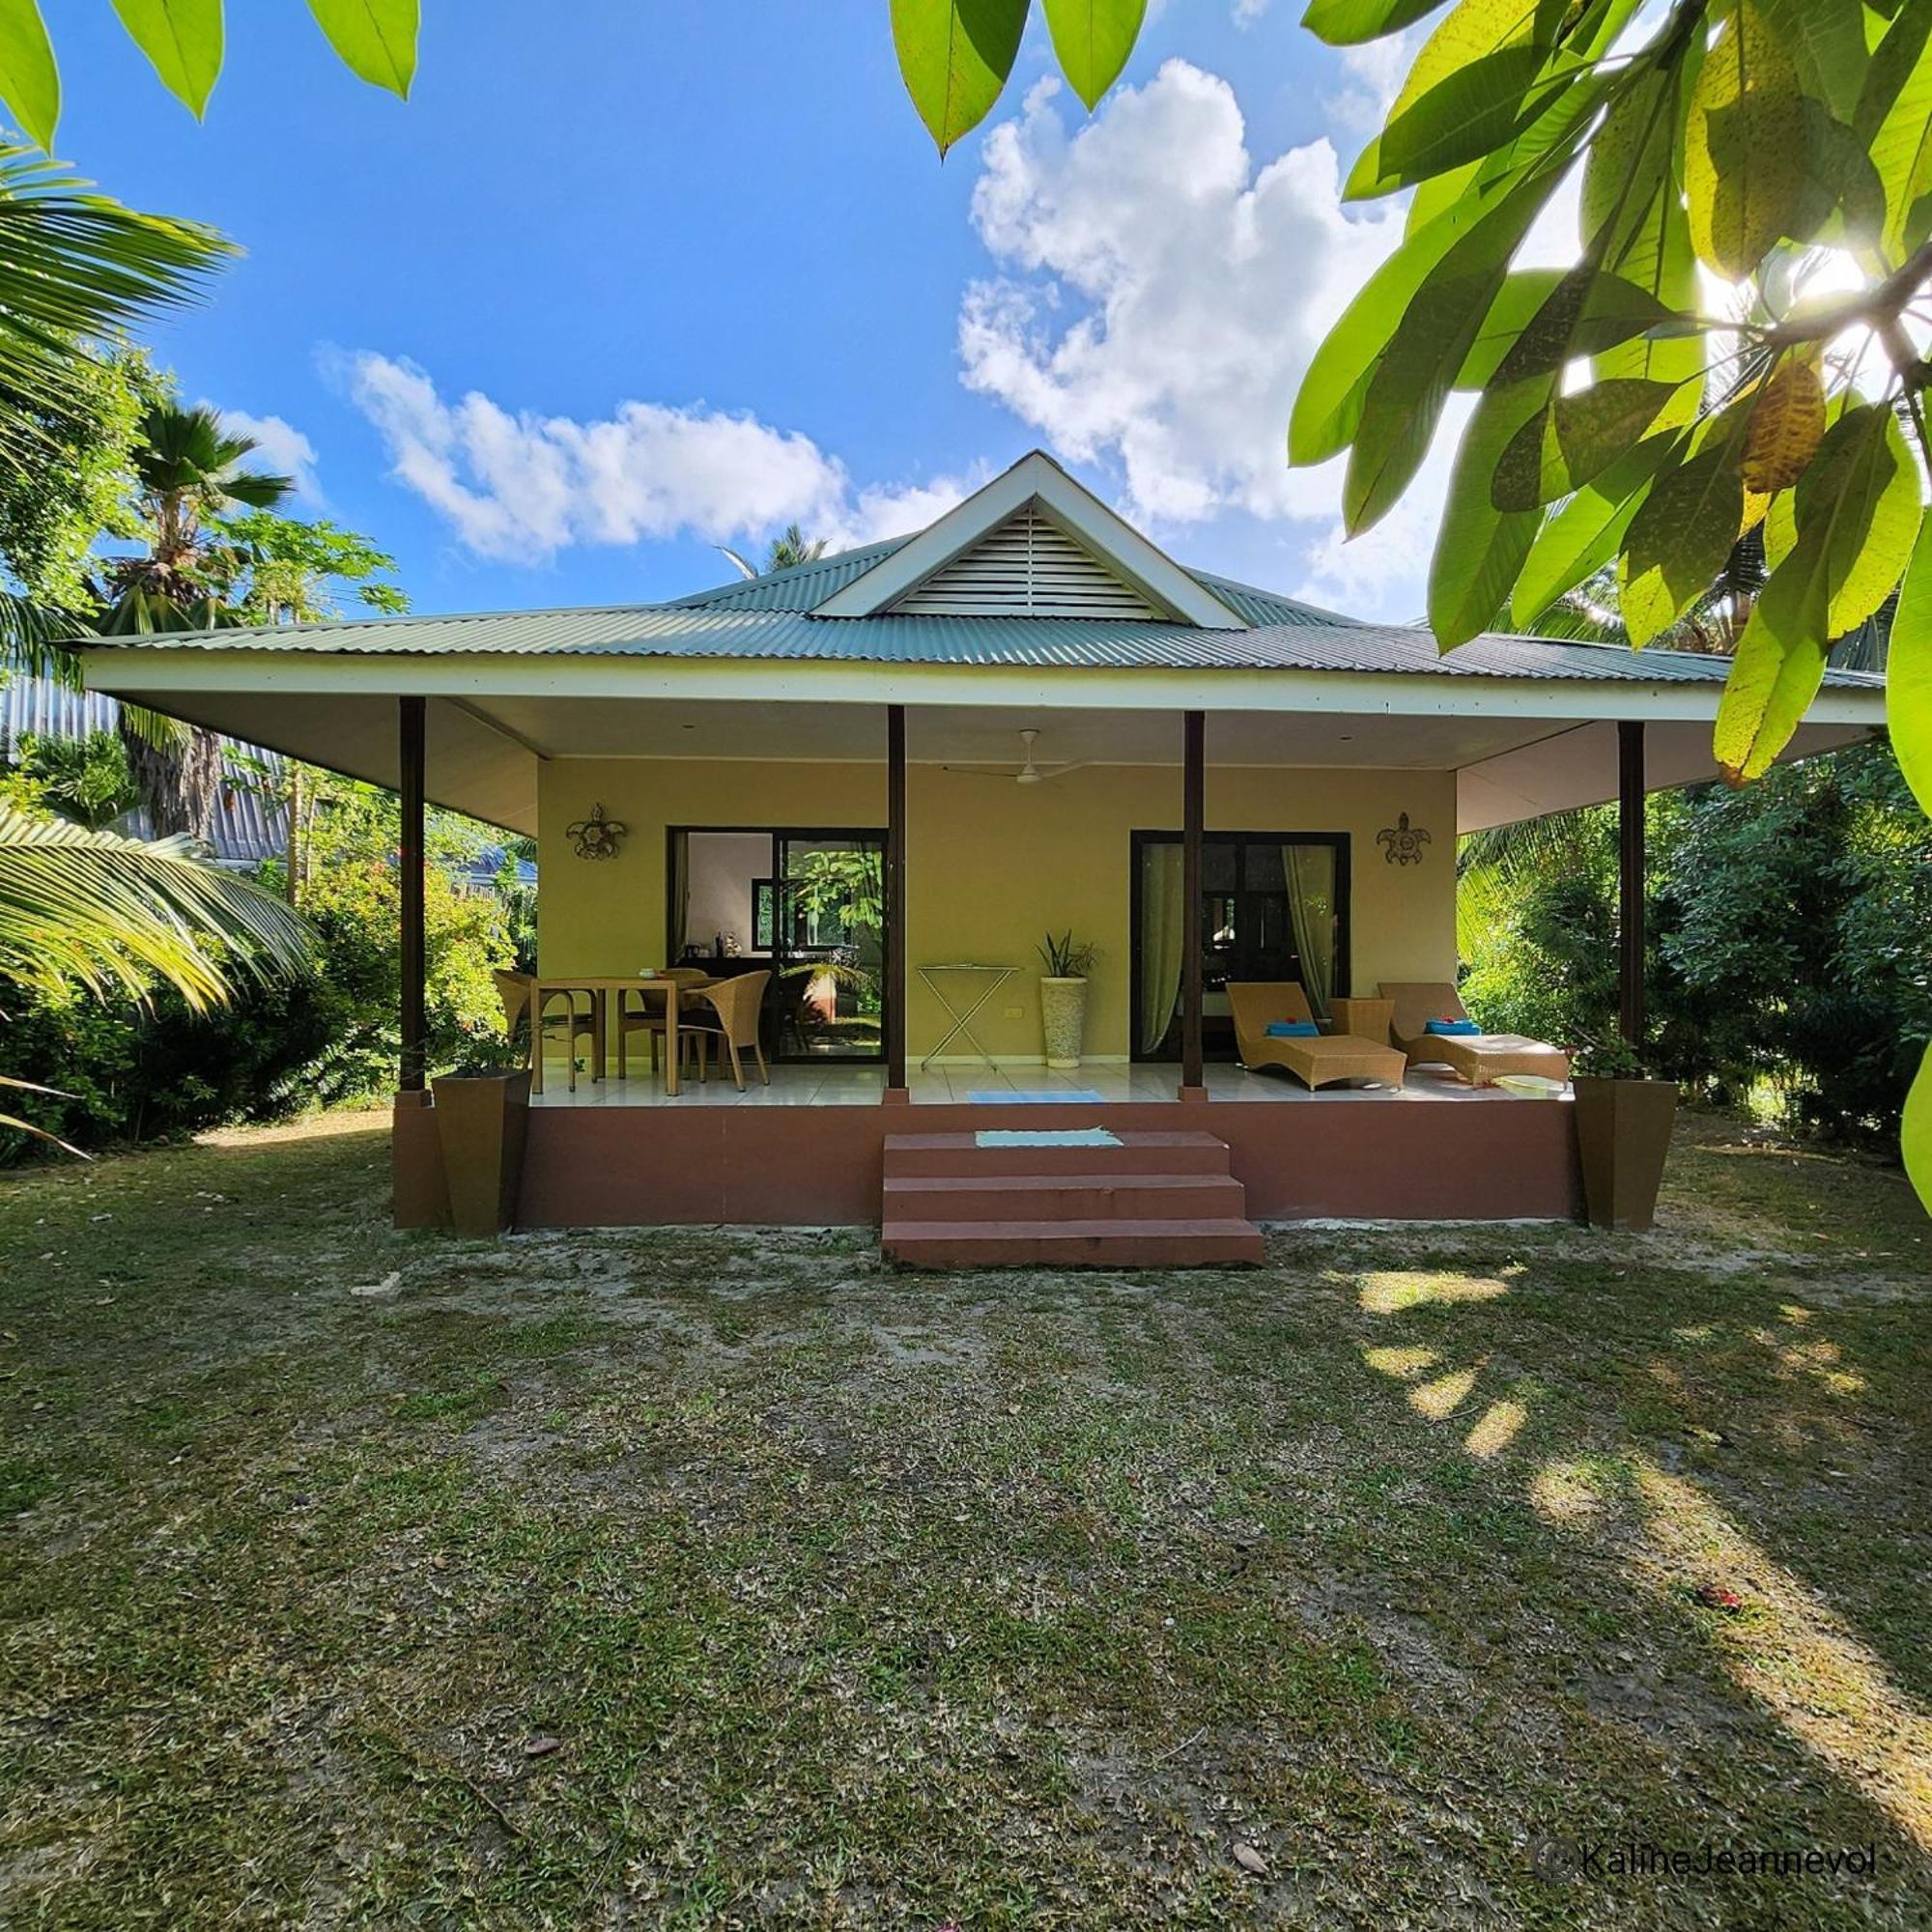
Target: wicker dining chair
[(738, 1003), (650, 1019), (517, 990)]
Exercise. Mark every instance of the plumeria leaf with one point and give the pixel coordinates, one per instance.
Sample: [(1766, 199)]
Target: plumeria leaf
[(1576, 438), (184, 40), (1586, 532), (1786, 427), (1347, 24), (376, 38), (1481, 548), (1680, 539), (1093, 38), (954, 56), (29, 79), (1744, 145), (1907, 672)]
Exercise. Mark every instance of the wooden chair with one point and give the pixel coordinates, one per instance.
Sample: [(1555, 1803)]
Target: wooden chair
[(650, 1019), (738, 1003), (517, 990)]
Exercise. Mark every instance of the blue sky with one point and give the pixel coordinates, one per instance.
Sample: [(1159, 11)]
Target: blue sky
[(700, 270)]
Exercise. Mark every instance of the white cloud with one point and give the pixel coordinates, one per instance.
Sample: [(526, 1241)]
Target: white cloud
[(1158, 297), (522, 487), (1161, 295), (280, 448)]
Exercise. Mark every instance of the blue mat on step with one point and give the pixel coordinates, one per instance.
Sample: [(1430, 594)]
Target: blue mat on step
[(1050, 1097)]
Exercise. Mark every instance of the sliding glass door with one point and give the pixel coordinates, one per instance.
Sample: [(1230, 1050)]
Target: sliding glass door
[(805, 906), (829, 944), (1274, 905)]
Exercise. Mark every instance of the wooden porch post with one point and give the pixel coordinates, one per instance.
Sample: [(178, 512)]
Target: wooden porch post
[(409, 867), (1193, 808), (895, 880), (1630, 881)]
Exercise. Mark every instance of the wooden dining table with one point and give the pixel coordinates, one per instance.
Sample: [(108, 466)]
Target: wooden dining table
[(600, 989)]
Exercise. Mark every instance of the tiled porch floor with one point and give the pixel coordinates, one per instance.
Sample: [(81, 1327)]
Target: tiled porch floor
[(834, 1086)]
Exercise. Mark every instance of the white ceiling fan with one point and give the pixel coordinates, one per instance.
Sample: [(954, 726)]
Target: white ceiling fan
[(1029, 772)]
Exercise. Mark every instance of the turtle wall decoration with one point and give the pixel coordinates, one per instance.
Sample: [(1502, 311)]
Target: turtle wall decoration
[(596, 837), (1401, 842)]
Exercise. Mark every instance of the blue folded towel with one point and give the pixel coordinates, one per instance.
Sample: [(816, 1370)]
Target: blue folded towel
[(1451, 1026), (1294, 1030)]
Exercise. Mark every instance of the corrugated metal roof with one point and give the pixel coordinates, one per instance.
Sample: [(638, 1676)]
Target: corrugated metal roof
[(247, 827), (770, 617)]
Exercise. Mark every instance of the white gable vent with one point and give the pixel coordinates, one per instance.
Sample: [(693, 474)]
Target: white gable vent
[(1026, 567)]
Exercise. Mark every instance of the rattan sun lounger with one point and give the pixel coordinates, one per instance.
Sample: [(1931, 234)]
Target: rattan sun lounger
[(1480, 1058), (1317, 1062)]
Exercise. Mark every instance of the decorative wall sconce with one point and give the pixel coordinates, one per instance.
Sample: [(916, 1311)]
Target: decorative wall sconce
[(1401, 842), (596, 837)]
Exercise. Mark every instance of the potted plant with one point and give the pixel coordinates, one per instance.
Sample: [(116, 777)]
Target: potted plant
[(1063, 997), (482, 1118), (1623, 1134)]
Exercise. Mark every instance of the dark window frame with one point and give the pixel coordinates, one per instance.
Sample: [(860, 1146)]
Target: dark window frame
[(1342, 845)]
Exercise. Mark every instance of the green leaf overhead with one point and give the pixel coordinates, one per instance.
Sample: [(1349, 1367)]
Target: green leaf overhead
[(1576, 438), (1680, 539), (1482, 548), (1092, 40), (1786, 427), (1901, 138), (954, 56), (1464, 115), (1585, 532), (376, 38), (1776, 674), (1744, 144), (29, 79), (1907, 672), (1405, 395), (1825, 41), (1328, 405), (182, 39), (1347, 24), (1914, 1136)]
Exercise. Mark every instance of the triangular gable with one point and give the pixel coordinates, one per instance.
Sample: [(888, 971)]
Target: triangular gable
[(1033, 542), (1027, 567)]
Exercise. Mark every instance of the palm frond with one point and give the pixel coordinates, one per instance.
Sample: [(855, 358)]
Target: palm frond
[(27, 1126), (107, 911), (33, 638), (742, 565), (78, 265)]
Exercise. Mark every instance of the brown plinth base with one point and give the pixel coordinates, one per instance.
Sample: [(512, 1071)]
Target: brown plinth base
[(588, 1167)]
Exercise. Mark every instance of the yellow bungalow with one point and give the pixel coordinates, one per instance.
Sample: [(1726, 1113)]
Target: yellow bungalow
[(886, 776)]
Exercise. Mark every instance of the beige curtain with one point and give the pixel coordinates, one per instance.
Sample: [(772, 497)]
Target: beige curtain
[(1163, 937), (680, 895), (1310, 872)]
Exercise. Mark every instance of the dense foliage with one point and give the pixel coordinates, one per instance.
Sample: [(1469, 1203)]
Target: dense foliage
[(140, 1064), (1786, 923)]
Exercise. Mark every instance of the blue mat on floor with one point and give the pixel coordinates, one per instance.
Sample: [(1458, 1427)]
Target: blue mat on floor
[(1052, 1096), (1020, 1137)]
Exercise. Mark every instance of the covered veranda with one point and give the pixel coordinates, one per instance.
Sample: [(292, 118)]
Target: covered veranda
[(513, 740)]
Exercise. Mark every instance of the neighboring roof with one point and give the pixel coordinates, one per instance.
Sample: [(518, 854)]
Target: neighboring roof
[(794, 616)]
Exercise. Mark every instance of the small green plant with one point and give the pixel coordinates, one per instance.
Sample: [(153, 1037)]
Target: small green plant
[(1067, 958), (1609, 1056), (484, 1053)]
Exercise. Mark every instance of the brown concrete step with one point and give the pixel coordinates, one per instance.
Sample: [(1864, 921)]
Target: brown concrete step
[(911, 1157), (1112, 1243), (1065, 1197)]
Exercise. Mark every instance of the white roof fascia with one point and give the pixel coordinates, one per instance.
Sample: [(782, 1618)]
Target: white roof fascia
[(845, 681), (1079, 513)]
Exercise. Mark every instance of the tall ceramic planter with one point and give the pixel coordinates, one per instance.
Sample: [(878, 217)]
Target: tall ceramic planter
[(483, 1122), (1623, 1135), (1062, 1018)]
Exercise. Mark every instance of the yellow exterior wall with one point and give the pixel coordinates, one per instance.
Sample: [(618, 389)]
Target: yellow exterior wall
[(993, 865)]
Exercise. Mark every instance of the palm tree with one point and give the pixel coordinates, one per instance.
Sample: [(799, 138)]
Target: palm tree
[(107, 911), (788, 549), (187, 470)]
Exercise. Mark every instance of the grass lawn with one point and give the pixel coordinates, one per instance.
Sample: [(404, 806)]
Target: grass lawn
[(731, 1578)]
